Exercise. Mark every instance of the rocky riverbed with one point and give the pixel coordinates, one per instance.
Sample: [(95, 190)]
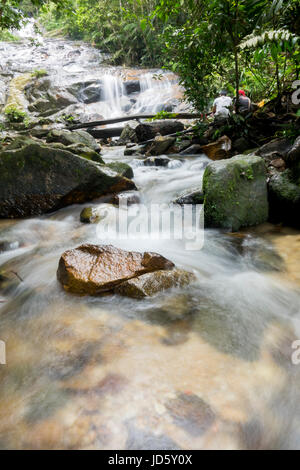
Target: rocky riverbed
[(200, 365)]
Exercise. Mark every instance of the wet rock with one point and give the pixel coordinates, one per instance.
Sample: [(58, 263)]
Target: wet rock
[(80, 150), (142, 132), (184, 144), (128, 197), (9, 280), (91, 94), (78, 88), (157, 161), (191, 413), (16, 141), (135, 150), (166, 126), (38, 179), (41, 105), (94, 269), (195, 196), (241, 144), (132, 86), (293, 156), (122, 169), (277, 148), (192, 150), (150, 284), (284, 198), (278, 163), (37, 89), (66, 137), (60, 98), (128, 134), (218, 150), (161, 145), (261, 255), (235, 193), (90, 215), (8, 245)]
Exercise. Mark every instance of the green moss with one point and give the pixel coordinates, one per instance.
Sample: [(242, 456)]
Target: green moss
[(14, 114), (121, 168), (39, 73), (235, 193)]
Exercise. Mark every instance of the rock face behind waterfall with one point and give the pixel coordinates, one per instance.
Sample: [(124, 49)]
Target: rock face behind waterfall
[(38, 178), (96, 269), (235, 193)]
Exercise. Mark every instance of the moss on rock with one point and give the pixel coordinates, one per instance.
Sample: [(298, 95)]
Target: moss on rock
[(235, 193), (122, 169)]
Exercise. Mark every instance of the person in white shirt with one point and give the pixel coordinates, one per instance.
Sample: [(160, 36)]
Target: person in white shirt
[(221, 105)]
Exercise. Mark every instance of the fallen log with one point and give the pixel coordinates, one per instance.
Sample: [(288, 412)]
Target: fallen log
[(106, 132), (132, 118)]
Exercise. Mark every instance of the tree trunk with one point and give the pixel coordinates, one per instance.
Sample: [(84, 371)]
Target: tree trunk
[(237, 79)]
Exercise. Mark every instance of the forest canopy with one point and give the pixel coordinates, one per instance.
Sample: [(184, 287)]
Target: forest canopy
[(253, 44)]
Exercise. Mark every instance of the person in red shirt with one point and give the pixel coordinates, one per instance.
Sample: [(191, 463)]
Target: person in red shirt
[(244, 103)]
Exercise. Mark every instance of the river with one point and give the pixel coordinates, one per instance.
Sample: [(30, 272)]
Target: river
[(204, 367)]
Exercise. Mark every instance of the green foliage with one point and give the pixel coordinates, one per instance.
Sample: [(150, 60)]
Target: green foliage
[(8, 36), (39, 73), (120, 28), (13, 13), (14, 114), (163, 115), (229, 44)]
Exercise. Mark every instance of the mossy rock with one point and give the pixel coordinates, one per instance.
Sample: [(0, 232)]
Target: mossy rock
[(66, 137), (90, 215), (235, 193), (122, 169), (80, 150), (38, 178)]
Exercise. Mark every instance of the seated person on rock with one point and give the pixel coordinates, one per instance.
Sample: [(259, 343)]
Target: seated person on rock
[(244, 103), (221, 106)]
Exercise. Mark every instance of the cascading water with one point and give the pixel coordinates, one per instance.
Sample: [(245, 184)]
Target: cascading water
[(208, 366)]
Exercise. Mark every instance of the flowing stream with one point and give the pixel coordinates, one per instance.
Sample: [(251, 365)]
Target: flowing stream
[(204, 367)]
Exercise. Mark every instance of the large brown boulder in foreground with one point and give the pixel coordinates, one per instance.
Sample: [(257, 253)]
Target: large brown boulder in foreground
[(94, 269)]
